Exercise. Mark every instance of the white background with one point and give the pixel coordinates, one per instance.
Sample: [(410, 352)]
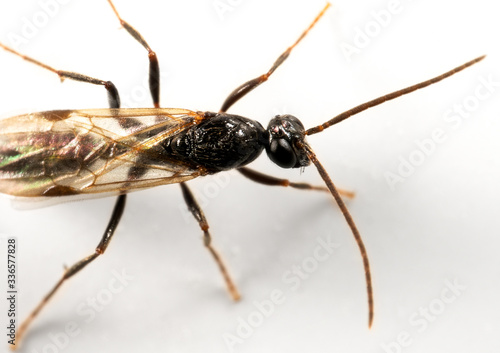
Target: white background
[(440, 224)]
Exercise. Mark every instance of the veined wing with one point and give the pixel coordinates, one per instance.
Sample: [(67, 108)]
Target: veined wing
[(71, 152)]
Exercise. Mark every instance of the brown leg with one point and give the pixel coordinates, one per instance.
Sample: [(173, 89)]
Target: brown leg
[(273, 181), (154, 67), (207, 239), (103, 244), (242, 90), (113, 96)]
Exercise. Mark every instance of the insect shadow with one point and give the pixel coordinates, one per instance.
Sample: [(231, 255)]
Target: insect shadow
[(110, 152)]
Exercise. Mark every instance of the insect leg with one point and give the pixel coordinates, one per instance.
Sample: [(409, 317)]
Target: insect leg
[(242, 90), (154, 67), (113, 96), (103, 244), (265, 179), (207, 239)]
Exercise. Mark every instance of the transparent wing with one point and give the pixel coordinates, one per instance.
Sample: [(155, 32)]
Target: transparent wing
[(72, 152)]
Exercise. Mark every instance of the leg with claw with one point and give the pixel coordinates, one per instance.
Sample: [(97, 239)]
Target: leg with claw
[(207, 239)]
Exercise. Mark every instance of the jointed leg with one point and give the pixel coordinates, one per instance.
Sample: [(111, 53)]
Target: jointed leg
[(113, 97), (207, 239), (265, 179), (242, 90), (103, 244), (114, 102), (154, 67)]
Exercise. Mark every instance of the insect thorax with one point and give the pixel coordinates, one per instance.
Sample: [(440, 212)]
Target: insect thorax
[(221, 142)]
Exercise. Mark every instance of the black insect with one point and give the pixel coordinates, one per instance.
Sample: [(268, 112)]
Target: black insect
[(80, 153)]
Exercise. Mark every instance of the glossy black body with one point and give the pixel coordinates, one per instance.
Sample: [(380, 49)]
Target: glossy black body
[(227, 141), (221, 142), (286, 142)]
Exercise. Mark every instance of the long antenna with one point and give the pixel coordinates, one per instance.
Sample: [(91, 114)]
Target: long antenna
[(352, 225), (388, 97)]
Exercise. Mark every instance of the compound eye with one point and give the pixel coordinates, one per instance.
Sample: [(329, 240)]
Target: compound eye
[(281, 153)]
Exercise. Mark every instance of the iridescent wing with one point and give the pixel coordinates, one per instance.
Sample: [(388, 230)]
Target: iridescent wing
[(72, 152)]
